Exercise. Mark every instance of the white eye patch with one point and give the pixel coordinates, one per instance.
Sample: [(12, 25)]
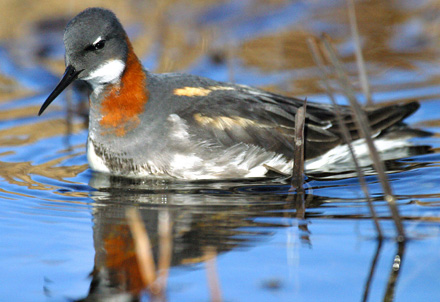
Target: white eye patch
[(97, 40)]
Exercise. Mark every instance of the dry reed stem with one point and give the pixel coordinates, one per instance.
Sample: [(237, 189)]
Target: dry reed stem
[(230, 57), (297, 180), (363, 77), (365, 131), (142, 246), (298, 153), (371, 272), (165, 249), (211, 272), (313, 45), (394, 273)]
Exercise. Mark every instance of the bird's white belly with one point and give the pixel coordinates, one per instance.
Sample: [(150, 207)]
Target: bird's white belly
[(339, 158), (240, 161), (96, 163)]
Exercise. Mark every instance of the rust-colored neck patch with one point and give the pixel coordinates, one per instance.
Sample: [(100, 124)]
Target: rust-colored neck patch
[(125, 100), (120, 259)]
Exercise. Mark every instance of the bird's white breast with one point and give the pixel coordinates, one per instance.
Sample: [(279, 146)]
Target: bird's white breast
[(96, 163)]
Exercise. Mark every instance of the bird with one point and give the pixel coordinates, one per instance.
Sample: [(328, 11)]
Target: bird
[(183, 126)]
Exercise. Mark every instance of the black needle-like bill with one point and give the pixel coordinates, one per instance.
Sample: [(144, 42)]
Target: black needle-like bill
[(69, 76)]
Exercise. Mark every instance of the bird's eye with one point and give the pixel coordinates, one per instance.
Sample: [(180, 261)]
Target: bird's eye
[(99, 45), (96, 46)]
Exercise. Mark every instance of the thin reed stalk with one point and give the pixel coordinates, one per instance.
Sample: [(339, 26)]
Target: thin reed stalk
[(372, 270), (142, 246), (298, 153), (365, 131), (297, 180), (154, 282), (313, 45), (230, 57), (211, 272), (362, 70), (394, 274), (165, 249)]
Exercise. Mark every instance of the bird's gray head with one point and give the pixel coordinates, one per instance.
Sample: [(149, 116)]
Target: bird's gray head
[(95, 39), (96, 50)]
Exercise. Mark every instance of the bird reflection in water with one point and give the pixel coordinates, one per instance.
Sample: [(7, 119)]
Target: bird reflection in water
[(204, 216), (215, 216)]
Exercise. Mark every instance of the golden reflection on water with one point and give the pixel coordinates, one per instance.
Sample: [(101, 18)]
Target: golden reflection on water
[(10, 89), (32, 132), (21, 173), (18, 113)]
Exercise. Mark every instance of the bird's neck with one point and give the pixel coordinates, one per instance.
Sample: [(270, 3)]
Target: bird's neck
[(117, 106)]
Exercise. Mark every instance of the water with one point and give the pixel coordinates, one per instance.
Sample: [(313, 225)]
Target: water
[(64, 233)]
